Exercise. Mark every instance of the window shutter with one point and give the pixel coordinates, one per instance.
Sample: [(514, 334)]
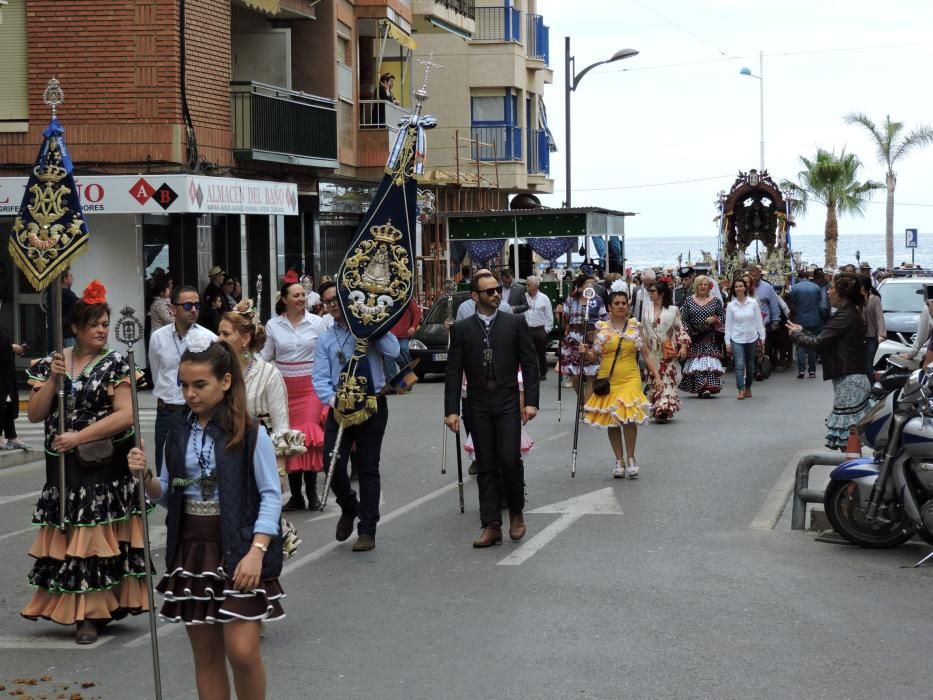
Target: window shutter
[(14, 101), (342, 51)]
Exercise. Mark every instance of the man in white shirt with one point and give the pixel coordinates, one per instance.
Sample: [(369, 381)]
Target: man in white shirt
[(540, 319), (166, 346)]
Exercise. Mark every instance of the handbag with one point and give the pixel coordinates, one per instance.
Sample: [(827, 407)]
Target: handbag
[(668, 351), (601, 384), (95, 454)]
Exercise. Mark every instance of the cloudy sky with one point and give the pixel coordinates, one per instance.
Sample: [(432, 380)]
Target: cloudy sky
[(681, 112)]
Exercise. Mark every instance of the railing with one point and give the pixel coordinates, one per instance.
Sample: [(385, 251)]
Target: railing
[(344, 81), (537, 38), (498, 24), (497, 142), (270, 123), (539, 154), (380, 114), (464, 7)]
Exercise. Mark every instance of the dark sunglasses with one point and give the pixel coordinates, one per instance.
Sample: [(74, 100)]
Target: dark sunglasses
[(327, 302), (188, 305), (491, 291)]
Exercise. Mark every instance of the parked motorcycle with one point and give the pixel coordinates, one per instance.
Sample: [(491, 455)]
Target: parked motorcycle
[(893, 377), (882, 501)]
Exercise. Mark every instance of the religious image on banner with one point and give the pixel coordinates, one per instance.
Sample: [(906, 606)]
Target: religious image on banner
[(49, 231), (375, 280)]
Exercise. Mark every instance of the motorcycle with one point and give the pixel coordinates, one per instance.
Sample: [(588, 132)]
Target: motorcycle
[(893, 377), (884, 500)]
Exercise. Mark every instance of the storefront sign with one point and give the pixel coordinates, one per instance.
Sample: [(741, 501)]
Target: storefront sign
[(168, 194)]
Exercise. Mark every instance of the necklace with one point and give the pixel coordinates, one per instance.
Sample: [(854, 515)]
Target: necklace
[(341, 354), (249, 365), (487, 330), (208, 478)]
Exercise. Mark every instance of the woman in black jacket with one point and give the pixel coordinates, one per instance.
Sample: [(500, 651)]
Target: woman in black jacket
[(841, 344)]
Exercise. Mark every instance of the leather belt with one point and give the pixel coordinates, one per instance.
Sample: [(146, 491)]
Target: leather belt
[(193, 506), (171, 407)]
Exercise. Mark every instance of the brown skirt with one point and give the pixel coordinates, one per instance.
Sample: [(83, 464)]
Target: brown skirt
[(198, 590)]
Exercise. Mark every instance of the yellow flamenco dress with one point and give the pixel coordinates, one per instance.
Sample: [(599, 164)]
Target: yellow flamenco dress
[(625, 402)]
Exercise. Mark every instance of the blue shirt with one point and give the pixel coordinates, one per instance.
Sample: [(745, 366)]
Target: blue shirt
[(264, 469), (325, 374), (806, 300), (767, 300), (468, 308)]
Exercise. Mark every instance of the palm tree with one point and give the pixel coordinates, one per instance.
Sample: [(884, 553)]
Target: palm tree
[(891, 146), (831, 181)]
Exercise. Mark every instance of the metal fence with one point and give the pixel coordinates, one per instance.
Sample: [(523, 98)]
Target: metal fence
[(498, 24), (537, 38), (464, 7), (380, 114), (276, 120), (496, 143), (539, 154)]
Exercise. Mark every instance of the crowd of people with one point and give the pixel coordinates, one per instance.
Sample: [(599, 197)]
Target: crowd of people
[(245, 412)]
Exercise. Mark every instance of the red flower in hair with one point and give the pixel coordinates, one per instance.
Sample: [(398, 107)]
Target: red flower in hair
[(95, 293)]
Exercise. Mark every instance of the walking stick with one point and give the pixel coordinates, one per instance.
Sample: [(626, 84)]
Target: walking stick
[(129, 331), (459, 468), (259, 297), (560, 344), (449, 288), (55, 297), (335, 453), (588, 294), (444, 451)]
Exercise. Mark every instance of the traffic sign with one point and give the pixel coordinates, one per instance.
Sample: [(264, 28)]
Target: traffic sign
[(910, 238)]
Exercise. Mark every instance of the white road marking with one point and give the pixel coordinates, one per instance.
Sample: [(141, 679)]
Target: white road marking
[(295, 564), (18, 497), (19, 532), (600, 502), (558, 436)]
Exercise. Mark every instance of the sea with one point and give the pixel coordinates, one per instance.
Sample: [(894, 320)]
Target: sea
[(654, 251)]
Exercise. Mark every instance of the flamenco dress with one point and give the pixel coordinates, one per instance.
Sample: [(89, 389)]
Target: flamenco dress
[(94, 569), (625, 402), (703, 370)]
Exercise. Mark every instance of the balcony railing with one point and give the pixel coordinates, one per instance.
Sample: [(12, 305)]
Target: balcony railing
[(537, 38), (380, 114), (539, 153), (496, 142), (498, 24), (275, 124), (464, 7)]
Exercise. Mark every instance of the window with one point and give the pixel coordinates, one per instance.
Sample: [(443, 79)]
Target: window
[(494, 126), (14, 101)]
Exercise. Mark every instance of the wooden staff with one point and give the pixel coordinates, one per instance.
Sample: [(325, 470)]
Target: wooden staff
[(55, 297), (129, 331)]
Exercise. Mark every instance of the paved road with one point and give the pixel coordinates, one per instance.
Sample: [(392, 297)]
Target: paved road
[(664, 590)]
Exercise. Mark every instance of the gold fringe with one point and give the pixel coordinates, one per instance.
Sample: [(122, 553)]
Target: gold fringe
[(51, 273), (358, 417)]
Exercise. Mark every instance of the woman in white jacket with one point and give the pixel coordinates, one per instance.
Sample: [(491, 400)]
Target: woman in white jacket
[(745, 336)]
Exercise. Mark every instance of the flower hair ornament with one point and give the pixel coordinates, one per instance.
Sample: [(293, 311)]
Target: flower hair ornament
[(247, 309), (618, 286), (95, 293), (199, 343)]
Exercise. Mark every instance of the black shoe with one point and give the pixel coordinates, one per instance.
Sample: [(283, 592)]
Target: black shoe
[(364, 543), (473, 470), (344, 527), (812, 375), (799, 375), (294, 503), (314, 502)]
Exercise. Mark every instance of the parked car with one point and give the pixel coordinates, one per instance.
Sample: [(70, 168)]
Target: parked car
[(429, 343), (902, 303)]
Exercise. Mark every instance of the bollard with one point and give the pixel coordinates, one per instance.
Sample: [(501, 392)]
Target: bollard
[(803, 494)]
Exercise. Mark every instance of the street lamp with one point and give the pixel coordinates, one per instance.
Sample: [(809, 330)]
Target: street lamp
[(571, 80), (761, 92)]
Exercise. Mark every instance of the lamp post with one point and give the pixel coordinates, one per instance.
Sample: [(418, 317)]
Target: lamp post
[(761, 94), (571, 80)]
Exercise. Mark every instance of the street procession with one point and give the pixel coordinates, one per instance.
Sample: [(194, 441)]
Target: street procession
[(309, 351)]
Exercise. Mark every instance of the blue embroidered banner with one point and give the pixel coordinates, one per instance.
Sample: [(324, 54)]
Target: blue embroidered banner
[(552, 248), (482, 252)]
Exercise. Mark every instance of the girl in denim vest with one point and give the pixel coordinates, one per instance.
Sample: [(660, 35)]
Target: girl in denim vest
[(220, 485)]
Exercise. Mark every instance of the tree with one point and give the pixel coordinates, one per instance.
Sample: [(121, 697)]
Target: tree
[(891, 146), (831, 181)]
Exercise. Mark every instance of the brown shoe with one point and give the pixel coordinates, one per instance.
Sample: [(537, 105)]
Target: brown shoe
[(516, 526), (492, 534), (344, 527), (364, 543), (85, 632)]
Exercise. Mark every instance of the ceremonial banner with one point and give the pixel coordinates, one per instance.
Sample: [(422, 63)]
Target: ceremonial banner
[(49, 231)]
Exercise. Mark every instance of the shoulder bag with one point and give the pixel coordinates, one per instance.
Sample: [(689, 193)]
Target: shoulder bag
[(601, 384)]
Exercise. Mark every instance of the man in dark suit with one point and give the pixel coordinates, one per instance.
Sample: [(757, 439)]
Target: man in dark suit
[(513, 293), (488, 348)]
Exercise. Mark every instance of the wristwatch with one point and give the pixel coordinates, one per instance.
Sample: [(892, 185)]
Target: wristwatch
[(260, 545)]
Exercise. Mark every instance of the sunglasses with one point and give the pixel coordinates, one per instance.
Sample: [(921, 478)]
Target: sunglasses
[(328, 302), (188, 305), (492, 290)]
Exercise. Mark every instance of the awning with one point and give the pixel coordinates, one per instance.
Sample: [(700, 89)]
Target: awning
[(270, 6), (400, 36)]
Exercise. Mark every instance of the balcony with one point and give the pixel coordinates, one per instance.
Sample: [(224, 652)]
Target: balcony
[(381, 114), (454, 16), (283, 126), (378, 130), (502, 24), (539, 153), (537, 38), (496, 143)]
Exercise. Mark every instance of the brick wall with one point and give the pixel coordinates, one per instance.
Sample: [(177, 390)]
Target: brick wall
[(118, 63)]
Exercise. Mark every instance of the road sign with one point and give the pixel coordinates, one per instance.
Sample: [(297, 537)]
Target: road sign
[(910, 238)]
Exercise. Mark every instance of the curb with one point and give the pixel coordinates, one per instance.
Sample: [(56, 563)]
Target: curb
[(776, 501), (20, 457)]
